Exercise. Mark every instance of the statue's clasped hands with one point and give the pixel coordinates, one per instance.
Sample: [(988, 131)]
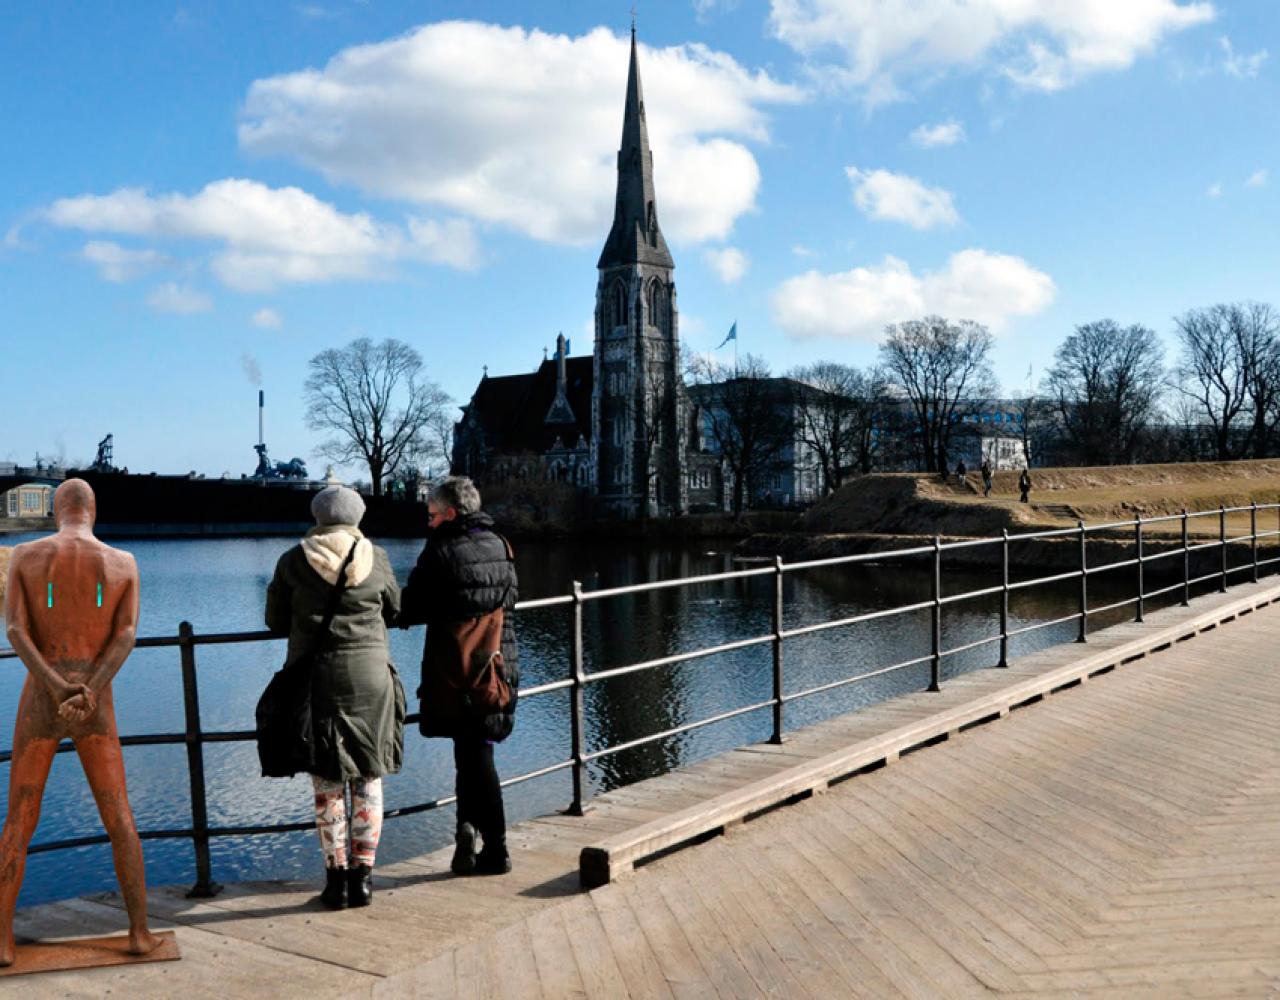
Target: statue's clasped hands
[(78, 702)]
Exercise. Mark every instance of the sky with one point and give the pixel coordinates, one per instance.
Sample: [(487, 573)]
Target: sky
[(196, 198)]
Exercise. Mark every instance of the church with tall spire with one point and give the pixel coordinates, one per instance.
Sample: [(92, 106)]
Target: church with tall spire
[(637, 447), (617, 423)]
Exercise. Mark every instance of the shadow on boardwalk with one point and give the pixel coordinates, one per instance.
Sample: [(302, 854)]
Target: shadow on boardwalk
[(1122, 839)]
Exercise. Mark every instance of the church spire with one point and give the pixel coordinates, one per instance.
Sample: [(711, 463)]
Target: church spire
[(635, 237)]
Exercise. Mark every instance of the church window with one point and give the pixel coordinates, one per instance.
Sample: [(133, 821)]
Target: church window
[(619, 305), (652, 223)]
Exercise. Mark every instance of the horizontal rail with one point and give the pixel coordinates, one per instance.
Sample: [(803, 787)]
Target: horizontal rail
[(664, 661), (856, 678), (683, 581), (855, 619), (688, 727), (1049, 624), (859, 557)]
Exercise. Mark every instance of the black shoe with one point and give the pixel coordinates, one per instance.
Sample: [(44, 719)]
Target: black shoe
[(493, 862), (334, 895), (359, 886), (464, 854)]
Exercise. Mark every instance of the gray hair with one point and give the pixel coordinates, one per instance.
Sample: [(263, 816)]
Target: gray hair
[(457, 492)]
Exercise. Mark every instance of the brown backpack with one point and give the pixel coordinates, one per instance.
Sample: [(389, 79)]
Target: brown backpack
[(480, 672)]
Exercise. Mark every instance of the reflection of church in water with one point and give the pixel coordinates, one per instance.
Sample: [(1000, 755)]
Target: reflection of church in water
[(617, 423)]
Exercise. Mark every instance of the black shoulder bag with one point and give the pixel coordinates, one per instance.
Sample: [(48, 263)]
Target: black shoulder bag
[(286, 737)]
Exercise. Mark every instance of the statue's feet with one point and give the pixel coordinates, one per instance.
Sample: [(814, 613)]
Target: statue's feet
[(142, 942)]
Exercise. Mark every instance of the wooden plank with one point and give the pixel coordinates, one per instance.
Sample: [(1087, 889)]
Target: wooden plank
[(636, 960)]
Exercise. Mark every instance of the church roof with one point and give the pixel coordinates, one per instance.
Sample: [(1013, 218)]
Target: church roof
[(635, 237), (510, 408)]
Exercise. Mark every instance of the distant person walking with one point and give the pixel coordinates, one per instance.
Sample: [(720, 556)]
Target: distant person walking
[(986, 477), (1024, 484), (357, 701), (962, 473), (464, 588)]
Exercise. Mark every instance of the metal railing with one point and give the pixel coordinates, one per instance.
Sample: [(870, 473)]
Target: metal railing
[(578, 678)]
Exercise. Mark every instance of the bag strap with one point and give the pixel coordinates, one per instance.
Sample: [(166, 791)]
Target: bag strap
[(335, 596)]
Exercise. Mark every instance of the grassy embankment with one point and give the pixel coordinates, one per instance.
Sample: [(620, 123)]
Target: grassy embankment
[(894, 510)]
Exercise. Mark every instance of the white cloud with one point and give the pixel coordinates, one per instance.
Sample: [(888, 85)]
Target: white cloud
[(1241, 66), (975, 284), (1257, 179), (890, 197), (521, 128), (1215, 190), (1038, 44), (729, 263), (117, 263), (173, 298), (266, 319), (946, 133), (270, 236)]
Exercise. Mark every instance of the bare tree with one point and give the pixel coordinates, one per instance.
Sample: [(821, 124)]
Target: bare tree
[(1035, 427), (944, 369), (1256, 327), (1105, 385), (1213, 372), (838, 409), (375, 401), (748, 419)]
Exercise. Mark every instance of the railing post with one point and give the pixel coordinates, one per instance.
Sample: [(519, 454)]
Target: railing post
[(1186, 562), (1222, 546), (776, 737), (578, 734), (1253, 536), (1137, 540), (1004, 598), (935, 666), (1084, 589), (204, 886)]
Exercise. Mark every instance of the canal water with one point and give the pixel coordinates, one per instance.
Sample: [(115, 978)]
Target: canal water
[(219, 585)]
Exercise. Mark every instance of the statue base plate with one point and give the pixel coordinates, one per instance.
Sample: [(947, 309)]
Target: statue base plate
[(86, 953)]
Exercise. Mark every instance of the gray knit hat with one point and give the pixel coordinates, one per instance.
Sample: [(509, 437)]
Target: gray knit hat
[(337, 505)]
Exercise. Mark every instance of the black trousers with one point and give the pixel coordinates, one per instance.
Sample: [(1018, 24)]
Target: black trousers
[(479, 794)]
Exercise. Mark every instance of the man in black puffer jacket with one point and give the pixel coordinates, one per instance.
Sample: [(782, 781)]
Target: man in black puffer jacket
[(465, 571)]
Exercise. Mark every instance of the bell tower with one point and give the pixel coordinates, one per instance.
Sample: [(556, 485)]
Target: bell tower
[(637, 395)]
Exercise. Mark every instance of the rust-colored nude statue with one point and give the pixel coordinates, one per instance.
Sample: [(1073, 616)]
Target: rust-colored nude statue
[(72, 612)]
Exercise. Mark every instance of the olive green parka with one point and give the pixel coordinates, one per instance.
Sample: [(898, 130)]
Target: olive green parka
[(357, 700)]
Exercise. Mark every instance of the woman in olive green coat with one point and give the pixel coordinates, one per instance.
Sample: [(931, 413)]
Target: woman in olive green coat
[(357, 701)]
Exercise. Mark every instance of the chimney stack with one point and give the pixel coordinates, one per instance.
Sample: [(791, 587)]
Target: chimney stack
[(261, 403)]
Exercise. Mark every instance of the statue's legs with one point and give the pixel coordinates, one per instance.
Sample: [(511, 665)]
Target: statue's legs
[(104, 767), (28, 772)]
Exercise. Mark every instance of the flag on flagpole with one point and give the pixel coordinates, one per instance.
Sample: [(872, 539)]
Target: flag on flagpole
[(733, 335)]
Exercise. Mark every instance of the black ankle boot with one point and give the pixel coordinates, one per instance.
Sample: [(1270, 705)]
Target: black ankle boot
[(493, 861), (359, 885), (464, 852), (334, 895)]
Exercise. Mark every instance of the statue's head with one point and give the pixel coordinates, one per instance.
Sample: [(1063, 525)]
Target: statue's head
[(73, 501)]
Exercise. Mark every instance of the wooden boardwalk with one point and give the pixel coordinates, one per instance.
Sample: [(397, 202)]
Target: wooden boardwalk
[(1121, 839)]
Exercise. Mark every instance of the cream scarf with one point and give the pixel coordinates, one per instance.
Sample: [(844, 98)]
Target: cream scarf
[(326, 546)]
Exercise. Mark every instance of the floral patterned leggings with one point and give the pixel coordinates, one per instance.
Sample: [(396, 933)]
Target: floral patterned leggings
[(331, 820)]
